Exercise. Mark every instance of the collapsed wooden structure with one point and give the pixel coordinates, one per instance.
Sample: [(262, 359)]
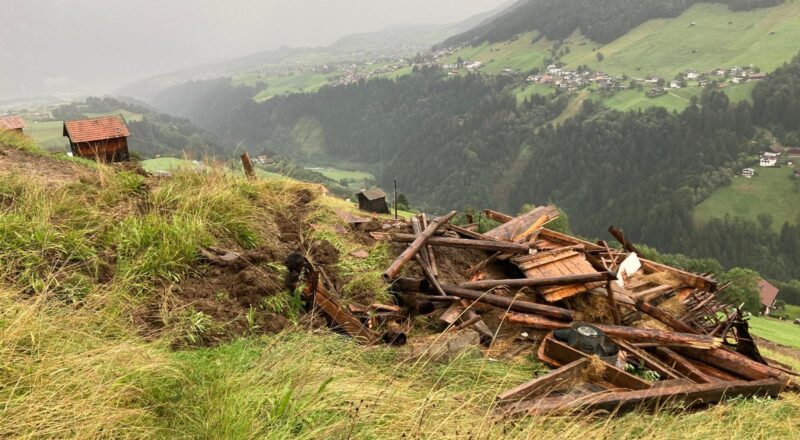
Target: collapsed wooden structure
[(669, 325)]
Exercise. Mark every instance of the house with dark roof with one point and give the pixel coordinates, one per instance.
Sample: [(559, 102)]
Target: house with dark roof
[(104, 138), (768, 294), (373, 200), (12, 123)]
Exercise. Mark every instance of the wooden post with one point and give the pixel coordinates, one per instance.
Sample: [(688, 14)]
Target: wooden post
[(394, 269), (431, 254), (613, 304), (248, 166), (486, 245), (540, 282)]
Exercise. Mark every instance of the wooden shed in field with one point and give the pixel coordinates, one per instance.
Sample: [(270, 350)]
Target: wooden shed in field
[(104, 138), (373, 200), (13, 123)]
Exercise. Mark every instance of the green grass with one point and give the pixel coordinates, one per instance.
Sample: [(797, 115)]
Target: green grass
[(279, 85), (164, 164), (668, 46), (781, 332), (527, 91), (48, 134), (771, 191), (337, 174), (792, 311)]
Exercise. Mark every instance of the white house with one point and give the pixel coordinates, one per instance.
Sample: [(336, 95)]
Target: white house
[(554, 70), (768, 161), (748, 172), (692, 75), (675, 84)]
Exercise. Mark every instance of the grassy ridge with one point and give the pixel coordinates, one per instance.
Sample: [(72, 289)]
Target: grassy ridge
[(74, 363), (782, 332), (771, 191)]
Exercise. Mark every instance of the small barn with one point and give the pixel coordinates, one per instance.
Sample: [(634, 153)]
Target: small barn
[(768, 294), (12, 123), (373, 200), (104, 138)]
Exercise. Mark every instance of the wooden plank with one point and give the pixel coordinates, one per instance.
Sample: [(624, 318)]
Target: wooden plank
[(537, 282), (510, 303), (340, 318), (557, 354), (683, 365), (512, 230), (628, 333), (664, 318), (689, 395), (487, 245), (497, 216), (648, 360), (545, 384)]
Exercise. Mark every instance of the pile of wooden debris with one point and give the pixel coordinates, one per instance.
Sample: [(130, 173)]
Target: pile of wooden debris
[(601, 310)]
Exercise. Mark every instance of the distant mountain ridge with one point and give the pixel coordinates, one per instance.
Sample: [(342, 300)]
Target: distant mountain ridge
[(396, 40), (601, 20)]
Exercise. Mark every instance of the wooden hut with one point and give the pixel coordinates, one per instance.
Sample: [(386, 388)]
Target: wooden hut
[(12, 123), (104, 138), (373, 200)]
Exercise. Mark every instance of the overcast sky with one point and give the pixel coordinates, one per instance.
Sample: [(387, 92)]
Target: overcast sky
[(57, 45)]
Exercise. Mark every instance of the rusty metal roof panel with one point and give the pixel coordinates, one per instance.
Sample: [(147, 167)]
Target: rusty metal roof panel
[(12, 123), (96, 129)]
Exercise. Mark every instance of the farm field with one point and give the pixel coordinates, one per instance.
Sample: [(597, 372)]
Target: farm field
[(771, 191), (705, 37), (781, 332)]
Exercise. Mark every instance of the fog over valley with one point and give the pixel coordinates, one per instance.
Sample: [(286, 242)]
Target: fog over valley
[(94, 46)]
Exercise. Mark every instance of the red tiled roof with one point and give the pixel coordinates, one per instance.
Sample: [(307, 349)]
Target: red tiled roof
[(11, 123), (768, 292), (96, 129)]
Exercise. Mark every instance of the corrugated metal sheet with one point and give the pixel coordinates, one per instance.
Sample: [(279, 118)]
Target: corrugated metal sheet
[(12, 123), (96, 129)]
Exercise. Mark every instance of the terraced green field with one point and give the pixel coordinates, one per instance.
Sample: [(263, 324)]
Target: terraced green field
[(781, 332), (705, 37), (771, 191)]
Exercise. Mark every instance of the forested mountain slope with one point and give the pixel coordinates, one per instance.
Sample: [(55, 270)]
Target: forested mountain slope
[(462, 141)]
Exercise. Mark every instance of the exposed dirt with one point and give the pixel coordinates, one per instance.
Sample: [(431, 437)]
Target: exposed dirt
[(42, 168)]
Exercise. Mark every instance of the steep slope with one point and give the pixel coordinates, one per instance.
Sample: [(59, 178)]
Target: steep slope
[(601, 20)]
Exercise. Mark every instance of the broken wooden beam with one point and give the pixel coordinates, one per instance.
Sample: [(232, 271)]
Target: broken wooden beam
[(557, 354), (732, 362), (339, 317), (663, 317), (620, 237), (547, 383), (486, 245), (682, 365), (394, 269), (692, 395), (539, 282), (510, 303), (524, 225), (497, 216), (627, 333)]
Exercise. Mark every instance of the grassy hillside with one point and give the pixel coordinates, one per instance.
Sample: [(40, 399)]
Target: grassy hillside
[(782, 332), (771, 191), (99, 340), (719, 37)]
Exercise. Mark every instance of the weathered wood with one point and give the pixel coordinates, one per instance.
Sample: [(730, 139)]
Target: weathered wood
[(691, 395), (539, 282), (419, 241), (323, 300), (613, 304), (626, 333), (547, 383), (682, 365), (510, 303), (620, 237), (248, 166), (431, 255), (416, 226), (497, 216), (523, 225), (557, 353), (733, 362), (464, 232), (664, 318), (648, 360), (486, 245)]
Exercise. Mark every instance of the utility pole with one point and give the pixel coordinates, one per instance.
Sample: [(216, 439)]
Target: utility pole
[(395, 199)]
